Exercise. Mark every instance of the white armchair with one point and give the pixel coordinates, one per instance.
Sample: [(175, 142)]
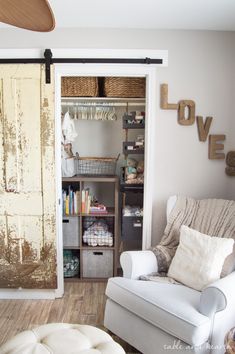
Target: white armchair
[(157, 317)]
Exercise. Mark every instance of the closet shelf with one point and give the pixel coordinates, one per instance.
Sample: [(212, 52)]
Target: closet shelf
[(110, 212), (90, 178), (92, 101)]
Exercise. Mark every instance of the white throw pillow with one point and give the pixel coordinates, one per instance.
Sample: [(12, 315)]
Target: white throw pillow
[(199, 258)]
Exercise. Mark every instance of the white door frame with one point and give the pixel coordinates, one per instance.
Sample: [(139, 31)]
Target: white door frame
[(152, 101)]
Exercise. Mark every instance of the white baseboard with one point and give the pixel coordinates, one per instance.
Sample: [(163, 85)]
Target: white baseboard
[(28, 294)]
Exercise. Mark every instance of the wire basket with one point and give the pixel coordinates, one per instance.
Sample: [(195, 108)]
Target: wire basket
[(79, 86), (96, 165)]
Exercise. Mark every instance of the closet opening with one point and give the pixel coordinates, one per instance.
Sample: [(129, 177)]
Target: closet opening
[(103, 122)]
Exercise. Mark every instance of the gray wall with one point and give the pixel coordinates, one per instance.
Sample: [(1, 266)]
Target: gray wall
[(201, 68)]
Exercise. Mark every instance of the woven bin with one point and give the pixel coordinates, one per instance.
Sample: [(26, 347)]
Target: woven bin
[(79, 86), (124, 87)]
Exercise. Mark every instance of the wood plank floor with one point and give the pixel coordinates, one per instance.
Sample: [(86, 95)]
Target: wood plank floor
[(82, 303)]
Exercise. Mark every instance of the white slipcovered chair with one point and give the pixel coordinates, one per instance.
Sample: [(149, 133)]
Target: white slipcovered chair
[(157, 317)]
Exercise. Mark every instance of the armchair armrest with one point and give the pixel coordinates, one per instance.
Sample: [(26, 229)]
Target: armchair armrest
[(218, 295), (136, 263)]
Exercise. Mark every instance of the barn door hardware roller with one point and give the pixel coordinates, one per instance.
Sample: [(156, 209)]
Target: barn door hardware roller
[(48, 62)]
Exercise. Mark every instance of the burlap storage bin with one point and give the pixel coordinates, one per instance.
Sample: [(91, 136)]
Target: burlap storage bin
[(79, 86), (124, 87)]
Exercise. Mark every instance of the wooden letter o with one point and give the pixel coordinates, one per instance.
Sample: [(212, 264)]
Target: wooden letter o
[(182, 120)]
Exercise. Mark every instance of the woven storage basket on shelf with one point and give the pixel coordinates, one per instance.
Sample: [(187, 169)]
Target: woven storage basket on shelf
[(79, 86), (124, 87)]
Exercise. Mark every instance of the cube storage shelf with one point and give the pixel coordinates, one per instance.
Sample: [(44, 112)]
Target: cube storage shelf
[(95, 262)]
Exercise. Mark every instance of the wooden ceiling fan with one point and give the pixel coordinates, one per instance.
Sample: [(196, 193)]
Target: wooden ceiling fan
[(34, 15)]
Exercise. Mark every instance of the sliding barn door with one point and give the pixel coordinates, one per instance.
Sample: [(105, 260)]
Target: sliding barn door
[(27, 178)]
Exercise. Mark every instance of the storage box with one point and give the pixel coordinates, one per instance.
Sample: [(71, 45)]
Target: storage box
[(124, 87), (79, 86), (130, 147), (132, 227), (71, 231), (97, 263)]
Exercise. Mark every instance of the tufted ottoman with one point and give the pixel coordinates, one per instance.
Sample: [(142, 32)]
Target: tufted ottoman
[(230, 341), (62, 338)]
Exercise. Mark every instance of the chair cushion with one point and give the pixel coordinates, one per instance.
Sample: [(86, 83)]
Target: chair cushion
[(61, 338), (171, 307)]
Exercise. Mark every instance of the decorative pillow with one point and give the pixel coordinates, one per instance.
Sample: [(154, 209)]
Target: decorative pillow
[(199, 258)]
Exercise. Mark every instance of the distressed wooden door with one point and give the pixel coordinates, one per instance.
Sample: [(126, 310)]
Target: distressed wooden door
[(27, 178)]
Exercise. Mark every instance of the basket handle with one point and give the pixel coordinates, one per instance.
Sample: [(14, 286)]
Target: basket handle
[(117, 157)]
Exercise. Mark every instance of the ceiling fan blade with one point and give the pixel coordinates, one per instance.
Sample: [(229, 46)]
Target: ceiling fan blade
[(34, 15)]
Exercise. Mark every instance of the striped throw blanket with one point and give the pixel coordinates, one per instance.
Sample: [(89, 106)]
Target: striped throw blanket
[(214, 217)]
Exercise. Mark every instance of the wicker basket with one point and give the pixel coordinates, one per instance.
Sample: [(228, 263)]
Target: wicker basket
[(96, 165), (79, 86), (124, 87)]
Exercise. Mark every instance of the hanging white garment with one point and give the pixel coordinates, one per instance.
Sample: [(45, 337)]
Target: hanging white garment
[(68, 134), (68, 129)]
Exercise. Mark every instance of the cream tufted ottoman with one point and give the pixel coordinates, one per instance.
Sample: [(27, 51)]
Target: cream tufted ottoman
[(62, 338)]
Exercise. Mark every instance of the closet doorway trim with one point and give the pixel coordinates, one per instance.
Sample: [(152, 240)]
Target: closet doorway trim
[(152, 102)]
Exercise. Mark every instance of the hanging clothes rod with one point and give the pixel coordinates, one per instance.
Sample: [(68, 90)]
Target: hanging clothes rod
[(106, 104)]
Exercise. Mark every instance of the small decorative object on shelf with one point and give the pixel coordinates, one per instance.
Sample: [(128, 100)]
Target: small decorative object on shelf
[(132, 211), (134, 120), (140, 141), (97, 208), (134, 171)]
